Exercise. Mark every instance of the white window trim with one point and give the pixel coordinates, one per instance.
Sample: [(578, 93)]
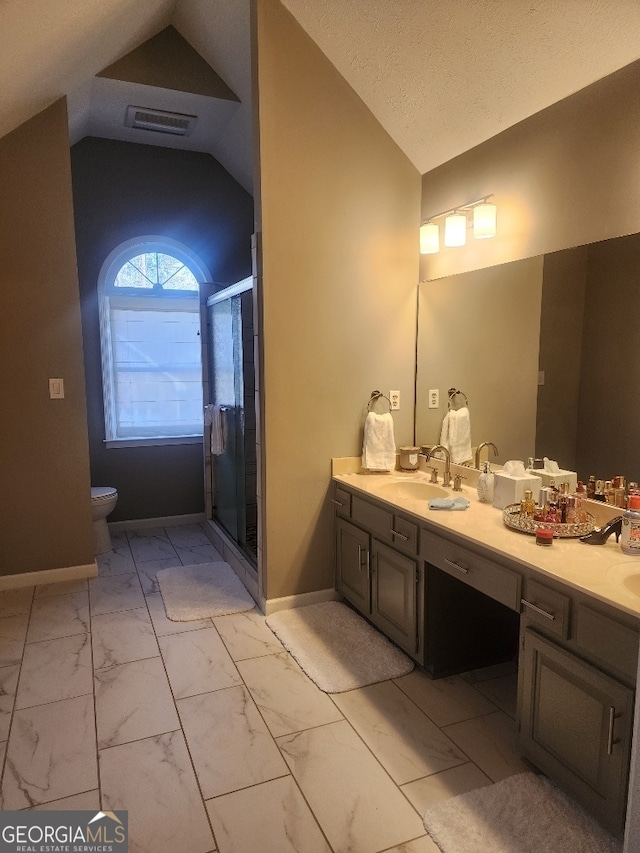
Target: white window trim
[(110, 268)]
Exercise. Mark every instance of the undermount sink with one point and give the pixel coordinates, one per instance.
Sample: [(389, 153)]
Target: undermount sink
[(632, 583), (626, 576), (414, 491)]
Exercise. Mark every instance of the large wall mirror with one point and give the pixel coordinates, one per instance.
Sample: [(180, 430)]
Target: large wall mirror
[(547, 350)]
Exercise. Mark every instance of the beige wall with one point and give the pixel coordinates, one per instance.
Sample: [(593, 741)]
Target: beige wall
[(340, 215), (479, 332), (45, 517), (566, 176)]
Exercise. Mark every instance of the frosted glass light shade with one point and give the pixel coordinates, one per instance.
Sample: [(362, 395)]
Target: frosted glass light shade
[(429, 238), (484, 220), (455, 230)]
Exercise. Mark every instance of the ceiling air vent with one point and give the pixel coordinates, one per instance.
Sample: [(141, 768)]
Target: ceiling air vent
[(143, 118)]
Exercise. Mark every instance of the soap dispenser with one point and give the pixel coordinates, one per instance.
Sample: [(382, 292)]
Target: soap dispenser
[(485, 484)]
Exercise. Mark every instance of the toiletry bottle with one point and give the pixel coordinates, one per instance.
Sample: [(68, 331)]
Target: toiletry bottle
[(563, 498), (599, 494), (630, 538), (591, 487), (527, 504), (619, 489), (485, 484), (571, 514), (609, 494)]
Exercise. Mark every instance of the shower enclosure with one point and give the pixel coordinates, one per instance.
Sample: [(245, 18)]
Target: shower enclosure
[(232, 391)]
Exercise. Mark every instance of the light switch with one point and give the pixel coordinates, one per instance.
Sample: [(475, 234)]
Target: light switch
[(56, 389)]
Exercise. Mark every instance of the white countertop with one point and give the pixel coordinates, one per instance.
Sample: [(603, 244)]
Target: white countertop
[(599, 570)]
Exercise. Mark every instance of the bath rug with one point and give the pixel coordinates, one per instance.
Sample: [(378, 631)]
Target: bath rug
[(202, 590), (336, 648), (525, 813)]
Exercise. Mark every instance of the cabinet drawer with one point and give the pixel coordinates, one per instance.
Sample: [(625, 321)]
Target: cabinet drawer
[(607, 640), (342, 502), (379, 520), (488, 577), (404, 534), (548, 608), (395, 529)]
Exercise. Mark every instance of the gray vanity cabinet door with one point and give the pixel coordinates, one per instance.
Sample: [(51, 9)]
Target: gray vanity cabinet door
[(352, 564), (394, 600), (576, 726)]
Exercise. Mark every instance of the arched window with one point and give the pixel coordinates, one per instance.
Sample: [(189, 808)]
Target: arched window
[(150, 339)]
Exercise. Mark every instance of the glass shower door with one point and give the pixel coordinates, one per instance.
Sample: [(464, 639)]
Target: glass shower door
[(230, 328)]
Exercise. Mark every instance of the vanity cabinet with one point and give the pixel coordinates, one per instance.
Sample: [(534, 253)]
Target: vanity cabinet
[(575, 726), (456, 604), (577, 671), (377, 569)]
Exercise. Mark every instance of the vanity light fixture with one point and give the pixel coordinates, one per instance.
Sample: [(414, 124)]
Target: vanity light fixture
[(455, 229), (429, 238), (485, 217), (456, 222)]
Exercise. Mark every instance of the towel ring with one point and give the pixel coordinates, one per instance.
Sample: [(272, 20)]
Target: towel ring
[(376, 395), (453, 392)]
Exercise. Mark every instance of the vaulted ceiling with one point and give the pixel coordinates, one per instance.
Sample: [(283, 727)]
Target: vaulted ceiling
[(440, 77)]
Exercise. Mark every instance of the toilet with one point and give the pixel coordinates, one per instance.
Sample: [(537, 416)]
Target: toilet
[(103, 502)]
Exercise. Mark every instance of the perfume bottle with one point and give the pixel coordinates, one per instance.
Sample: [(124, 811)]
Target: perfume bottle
[(527, 505)]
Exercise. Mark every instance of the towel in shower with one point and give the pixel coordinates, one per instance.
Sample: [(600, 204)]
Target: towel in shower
[(456, 435), (379, 446), (215, 419)]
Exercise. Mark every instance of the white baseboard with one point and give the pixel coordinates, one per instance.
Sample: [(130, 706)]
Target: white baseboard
[(67, 573), (273, 605), (162, 521)]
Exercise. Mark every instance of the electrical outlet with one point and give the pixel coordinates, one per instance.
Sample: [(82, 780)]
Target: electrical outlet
[(56, 389), (434, 398), (394, 398)]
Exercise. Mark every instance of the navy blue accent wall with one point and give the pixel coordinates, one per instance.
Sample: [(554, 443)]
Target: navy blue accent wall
[(120, 191)]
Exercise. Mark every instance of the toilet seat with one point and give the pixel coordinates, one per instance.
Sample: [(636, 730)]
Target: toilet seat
[(99, 494)]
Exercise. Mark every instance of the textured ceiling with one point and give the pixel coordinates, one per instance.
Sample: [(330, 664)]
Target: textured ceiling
[(441, 76)]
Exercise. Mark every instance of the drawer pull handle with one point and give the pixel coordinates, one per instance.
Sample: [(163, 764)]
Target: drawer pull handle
[(401, 535), (456, 566), (538, 610), (610, 739), (336, 502)]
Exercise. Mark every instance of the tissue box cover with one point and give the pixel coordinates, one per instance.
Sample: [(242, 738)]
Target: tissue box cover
[(510, 490), (559, 477)]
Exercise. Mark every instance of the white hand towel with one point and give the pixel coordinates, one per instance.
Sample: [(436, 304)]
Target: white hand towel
[(379, 447), (456, 435), (444, 432)]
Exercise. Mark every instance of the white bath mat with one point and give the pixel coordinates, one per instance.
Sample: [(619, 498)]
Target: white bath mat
[(520, 814), (206, 589), (336, 648)]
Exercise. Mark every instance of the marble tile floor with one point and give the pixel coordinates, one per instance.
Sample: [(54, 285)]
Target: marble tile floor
[(208, 732)]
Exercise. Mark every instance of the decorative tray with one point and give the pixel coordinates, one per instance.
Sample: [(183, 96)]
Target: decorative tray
[(512, 518)]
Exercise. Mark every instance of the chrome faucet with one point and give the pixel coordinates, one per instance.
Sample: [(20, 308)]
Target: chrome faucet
[(447, 462), (479, 448)]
